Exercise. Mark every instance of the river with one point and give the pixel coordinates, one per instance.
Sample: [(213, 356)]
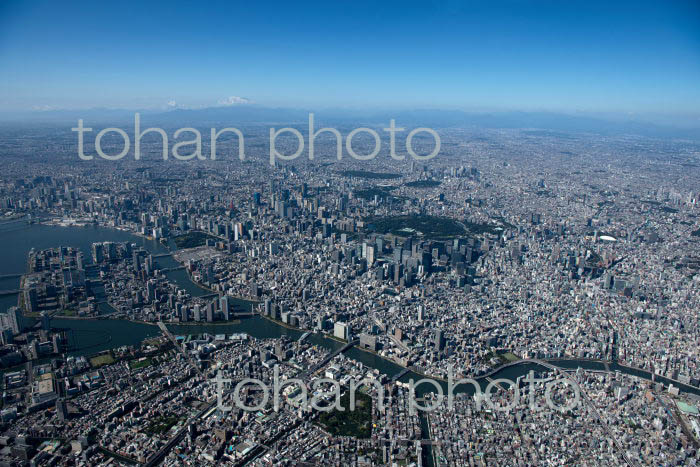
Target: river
[(90, 336)]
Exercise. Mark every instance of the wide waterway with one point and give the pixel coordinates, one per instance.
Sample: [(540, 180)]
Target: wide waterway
[(90, 336)]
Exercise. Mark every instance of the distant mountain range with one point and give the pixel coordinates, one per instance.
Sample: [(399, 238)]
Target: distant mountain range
[(252, 114)]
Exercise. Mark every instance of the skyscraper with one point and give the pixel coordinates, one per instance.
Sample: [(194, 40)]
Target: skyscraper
[(15, 318), (370, 255), (31, 300), (61, 409), (45, 321), (341, 331), (439, 339), (97, 252), (210, 312), (225, 306)]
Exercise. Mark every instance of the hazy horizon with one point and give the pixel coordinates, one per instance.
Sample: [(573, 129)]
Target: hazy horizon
[(579, 57)]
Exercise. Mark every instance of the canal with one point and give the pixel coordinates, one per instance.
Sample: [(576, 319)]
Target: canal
[(90, 336)]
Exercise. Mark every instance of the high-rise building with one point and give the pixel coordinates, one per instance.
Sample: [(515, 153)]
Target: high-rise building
[(210, 312), (136, 261), (439, 339), (398, 273), (111, 251), (31, 300), (151, 290), (6, 337), (61, 409), (426, 261), (57, 341), (370, 255), (97, 252), (280, 350), (341, 331), (368, 342), (608, 281), (45, 321), (225, 306)]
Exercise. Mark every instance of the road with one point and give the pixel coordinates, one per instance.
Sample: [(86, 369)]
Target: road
[(589, 403), (189, 358), (322, 363)]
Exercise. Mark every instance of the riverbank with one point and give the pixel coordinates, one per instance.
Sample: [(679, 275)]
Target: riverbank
[(285, 325), (361, 349), (126, 332), (248, 301), (91, 334), (214, 323)]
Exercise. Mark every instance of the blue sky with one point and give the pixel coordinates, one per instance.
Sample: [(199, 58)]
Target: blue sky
[(629, 57)]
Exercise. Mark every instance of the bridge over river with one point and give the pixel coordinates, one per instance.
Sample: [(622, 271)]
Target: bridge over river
[(11, 276)]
